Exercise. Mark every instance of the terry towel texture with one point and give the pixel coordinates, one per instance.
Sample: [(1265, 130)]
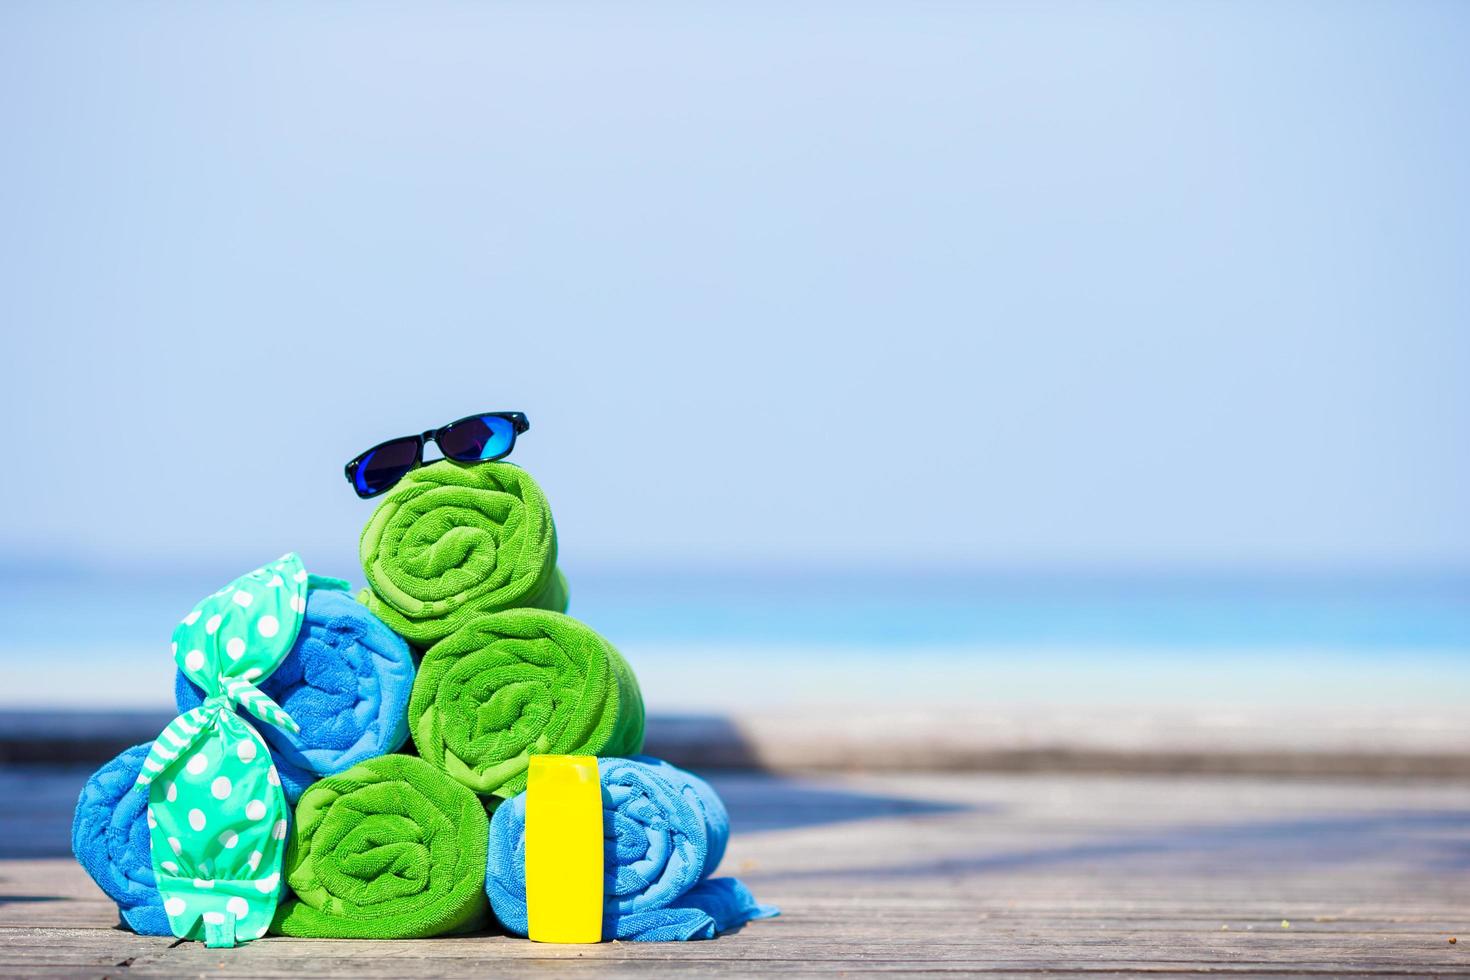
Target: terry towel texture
[(450, 541), (665, 832), (389, 849), (109, 836), (509, 685), (346, 682)]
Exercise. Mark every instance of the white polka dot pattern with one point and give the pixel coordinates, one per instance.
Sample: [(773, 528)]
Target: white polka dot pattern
[(217, 813)]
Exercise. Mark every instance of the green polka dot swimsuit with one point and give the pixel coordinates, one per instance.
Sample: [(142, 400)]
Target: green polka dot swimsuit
[(217, 816)]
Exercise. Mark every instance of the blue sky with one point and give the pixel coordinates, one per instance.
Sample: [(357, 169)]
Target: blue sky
[(840, 284)]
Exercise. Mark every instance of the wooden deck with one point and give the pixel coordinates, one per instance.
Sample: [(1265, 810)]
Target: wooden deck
[(996, 874)]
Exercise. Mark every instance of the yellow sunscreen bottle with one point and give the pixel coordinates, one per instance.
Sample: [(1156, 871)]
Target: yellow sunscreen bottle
[(564, 849)]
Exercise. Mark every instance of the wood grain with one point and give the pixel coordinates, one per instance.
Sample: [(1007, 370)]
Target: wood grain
[(937, 874)]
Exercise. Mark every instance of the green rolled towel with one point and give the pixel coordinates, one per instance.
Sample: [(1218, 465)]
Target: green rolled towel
[(509, 685), (451, 541), (389, 849)]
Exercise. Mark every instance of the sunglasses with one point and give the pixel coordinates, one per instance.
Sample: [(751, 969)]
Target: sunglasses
[(475, 439)]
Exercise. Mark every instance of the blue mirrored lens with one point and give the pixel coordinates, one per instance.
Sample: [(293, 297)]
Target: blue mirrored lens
[(483, 437), (384, 466)]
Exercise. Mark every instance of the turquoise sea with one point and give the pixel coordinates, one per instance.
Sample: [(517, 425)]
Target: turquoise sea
[(704, 638)]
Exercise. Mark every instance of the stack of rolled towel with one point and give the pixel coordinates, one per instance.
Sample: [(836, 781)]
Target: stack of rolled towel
[(461, 644)]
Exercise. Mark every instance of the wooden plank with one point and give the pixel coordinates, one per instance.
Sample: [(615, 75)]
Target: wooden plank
[(916, 874)]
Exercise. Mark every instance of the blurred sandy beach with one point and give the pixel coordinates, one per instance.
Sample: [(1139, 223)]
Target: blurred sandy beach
[(735, 641)]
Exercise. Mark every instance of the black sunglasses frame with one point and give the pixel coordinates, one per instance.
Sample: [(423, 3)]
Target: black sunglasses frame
[(519, 424)]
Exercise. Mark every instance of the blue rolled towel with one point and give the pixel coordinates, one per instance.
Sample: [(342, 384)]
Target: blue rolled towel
[(346, 682), (109, 836), (665, 832)]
